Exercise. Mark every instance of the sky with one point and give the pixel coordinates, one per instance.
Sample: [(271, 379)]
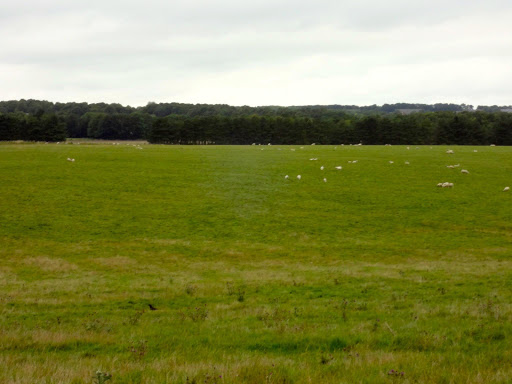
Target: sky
[(264, 52)]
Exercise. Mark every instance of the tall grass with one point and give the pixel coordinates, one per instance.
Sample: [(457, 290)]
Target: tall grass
[(374, 276)]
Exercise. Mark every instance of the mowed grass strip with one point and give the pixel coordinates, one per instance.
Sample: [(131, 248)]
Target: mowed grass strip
[(376, 275)]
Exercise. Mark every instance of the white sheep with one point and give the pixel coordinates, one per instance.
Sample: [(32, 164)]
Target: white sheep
[(506, 189), (339, 167), (322, 168), (286, 177), (449, 166), (407, 163), (450, 151), (325, 180), (391, 162), (464, 171), (439, 184), (447, 185), (299, 177)]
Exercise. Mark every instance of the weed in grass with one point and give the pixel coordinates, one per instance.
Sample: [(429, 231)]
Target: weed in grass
[(326, 359), (238, 290), (199, 313), (191, 289), (395, 373), (138, 349), (135, 318), (102, 377)]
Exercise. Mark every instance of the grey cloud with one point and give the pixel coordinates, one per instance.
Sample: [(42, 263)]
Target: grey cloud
[(169, 46)]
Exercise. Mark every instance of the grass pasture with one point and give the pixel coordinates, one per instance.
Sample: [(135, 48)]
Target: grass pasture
[(375, 276)]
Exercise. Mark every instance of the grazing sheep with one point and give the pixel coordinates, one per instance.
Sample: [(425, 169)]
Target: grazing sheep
[(322, 168), (339, 167), (72, 160), (450, 151), (391, 162), (475, 150), (408, 148), (286, 177), (447, 185), (325, 180), (293, 149), (457, 165), (299, 177), (464, 171), (407, 163), (493, 145), (449, 166), (506, 189), (439, 184), (313, 159)]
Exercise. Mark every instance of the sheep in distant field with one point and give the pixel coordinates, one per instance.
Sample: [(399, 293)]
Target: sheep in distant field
[(339, 167), (72, 160), (449, 166), (439, 184), (493, 145), (322, 168), (407, 163), (313, 159), (457, 165), (447, 185), (325, 180), (464, 171), (286, 177), (391, 162), (450, 151), (475, 150), (299, 177), (506, 189)]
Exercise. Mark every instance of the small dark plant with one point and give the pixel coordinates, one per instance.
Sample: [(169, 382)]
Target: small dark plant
[(139, 349), (191, 289), (135, 318)]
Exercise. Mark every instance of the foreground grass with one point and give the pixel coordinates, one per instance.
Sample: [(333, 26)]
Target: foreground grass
[(256, 279)]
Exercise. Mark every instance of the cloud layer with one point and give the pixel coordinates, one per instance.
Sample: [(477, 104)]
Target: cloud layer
[(279, 52)]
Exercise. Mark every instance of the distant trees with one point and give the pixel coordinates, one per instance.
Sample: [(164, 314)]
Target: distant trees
[(177, 123), (38, 127)]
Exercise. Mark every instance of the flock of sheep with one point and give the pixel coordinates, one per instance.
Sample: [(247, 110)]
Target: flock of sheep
[(445, 184), (339, 167)]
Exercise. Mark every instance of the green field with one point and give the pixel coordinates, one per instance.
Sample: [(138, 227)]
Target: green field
[(256, 279)]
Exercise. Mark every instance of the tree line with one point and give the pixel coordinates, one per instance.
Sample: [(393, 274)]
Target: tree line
[(176, 123)]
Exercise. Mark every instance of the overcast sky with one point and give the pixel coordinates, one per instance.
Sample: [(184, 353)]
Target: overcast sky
[(264, 52)]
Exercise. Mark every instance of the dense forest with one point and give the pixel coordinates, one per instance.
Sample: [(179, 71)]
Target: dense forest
[(176, 123)]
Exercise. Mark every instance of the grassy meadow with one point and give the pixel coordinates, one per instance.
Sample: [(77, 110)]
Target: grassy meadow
[(374, 276)]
